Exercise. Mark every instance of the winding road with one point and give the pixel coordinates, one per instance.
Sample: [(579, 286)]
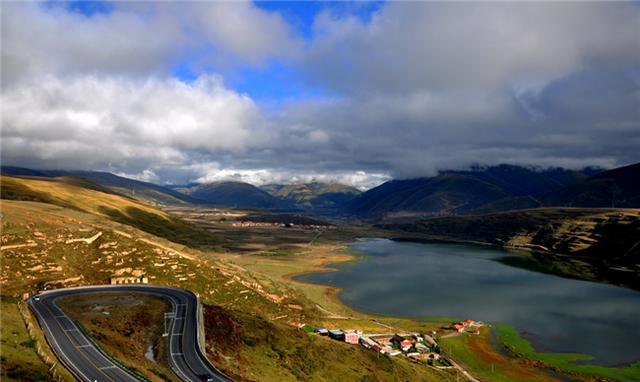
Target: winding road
[(81, 356)]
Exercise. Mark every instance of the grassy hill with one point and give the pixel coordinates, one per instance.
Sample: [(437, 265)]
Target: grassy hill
[(147, 192), (233, 194), (83, 195), (314, 194), (605, 234)]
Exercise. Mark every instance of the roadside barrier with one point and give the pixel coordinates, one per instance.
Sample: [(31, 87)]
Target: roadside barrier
[(57, 371)]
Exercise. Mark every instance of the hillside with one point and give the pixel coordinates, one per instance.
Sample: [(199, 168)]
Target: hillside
[(314, 194), (618, 188), (148, 192), (461, 192), (83, 195), (611, 235), (58, 233), (233, 194)]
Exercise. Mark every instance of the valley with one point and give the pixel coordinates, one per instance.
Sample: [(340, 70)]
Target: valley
[(243, 262)]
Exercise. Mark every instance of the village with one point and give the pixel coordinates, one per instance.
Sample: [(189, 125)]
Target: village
[(252, 224), (419, 347)]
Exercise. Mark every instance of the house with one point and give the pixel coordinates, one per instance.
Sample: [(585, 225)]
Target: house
[(129, 280), (351, 337), (417, 337), (468, 322), (321, 331), (336, 334), (422, 348), (405, 345), (458, 327)]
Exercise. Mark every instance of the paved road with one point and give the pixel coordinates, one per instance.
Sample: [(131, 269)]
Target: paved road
[(89, 364)]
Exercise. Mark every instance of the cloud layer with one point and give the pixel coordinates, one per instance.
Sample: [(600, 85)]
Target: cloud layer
[(414, 88)]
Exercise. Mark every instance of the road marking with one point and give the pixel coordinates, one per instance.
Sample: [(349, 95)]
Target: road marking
[(174, 326)]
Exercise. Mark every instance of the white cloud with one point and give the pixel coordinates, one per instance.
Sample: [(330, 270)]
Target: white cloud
[(94, 121), (242, 29), (39, 39), (138, 39), (146, 175), (359, 179)]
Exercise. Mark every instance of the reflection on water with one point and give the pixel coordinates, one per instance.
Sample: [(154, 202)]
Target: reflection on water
[(556, 314)]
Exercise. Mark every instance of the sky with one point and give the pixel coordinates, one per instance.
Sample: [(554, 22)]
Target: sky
[(284, 92)]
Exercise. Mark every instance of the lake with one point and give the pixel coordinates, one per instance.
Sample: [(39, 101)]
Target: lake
[(425, 280)]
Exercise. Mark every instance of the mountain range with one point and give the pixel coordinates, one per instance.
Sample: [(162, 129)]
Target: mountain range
[(498, 188), (449, 193)]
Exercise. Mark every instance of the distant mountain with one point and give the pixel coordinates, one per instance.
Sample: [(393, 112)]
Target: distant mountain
[(463, 192), (619, 188), (315, 194), (133, 188), (234, 194)]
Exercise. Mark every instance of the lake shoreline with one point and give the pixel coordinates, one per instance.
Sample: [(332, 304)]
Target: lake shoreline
[(334, 291)]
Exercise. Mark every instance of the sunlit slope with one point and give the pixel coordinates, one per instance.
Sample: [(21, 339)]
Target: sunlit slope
[(71, 193), (606, 234), (84, 195), (146, 192)]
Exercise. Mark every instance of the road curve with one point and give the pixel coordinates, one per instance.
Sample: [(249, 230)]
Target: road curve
[(87, 363)]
